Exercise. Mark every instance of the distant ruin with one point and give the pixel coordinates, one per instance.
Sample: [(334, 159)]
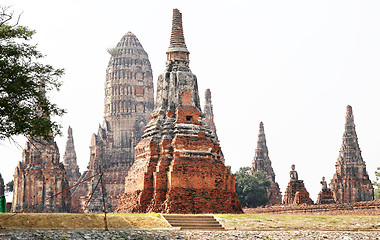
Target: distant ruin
[(261, 162), (351, 182)]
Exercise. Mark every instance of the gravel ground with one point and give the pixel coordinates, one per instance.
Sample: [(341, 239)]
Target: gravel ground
[(175, 234)]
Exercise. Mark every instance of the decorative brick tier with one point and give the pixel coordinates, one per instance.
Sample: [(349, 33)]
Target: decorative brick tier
[(325, 196), (296, 193), (178, 167)]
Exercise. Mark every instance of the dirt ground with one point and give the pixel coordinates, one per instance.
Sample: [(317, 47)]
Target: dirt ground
[(258, 222), (85, 221), (300, 222)]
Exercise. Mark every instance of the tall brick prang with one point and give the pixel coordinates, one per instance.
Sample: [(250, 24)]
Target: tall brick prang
[(39, 176), (128, 103), (262, 163), (350, 182), (296, 192), (70, 159), (178, 167)]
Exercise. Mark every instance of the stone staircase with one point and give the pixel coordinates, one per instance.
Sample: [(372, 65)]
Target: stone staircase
[(193, 222)]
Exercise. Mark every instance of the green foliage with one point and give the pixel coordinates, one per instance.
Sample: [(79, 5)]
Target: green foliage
[(24, 107), (377, 183), (113, 51), (9, 186), (251, 188)]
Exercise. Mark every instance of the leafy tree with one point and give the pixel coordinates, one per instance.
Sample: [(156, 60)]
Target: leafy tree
[(251, 188), (24, 107), (377, 183), (9, 186)]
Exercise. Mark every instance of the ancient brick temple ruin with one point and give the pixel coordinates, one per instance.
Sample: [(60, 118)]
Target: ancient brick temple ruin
[(325, 196), (350, 182), (70, 159), (296, 192), (209, 116), (262, 163), (39, 176), (178, 167), (128, 103)]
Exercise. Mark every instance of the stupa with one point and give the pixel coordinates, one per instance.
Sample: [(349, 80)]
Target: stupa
[(350, 182), (178, 167), (261, 162)]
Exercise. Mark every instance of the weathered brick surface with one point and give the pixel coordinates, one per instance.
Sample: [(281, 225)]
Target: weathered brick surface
[(39, 176), (325, 196), (296, 192), (178, 167), (128, 103), (261, 162), (351, 182)]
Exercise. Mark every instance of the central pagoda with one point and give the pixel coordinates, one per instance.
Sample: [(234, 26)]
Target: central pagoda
[(178, 167)]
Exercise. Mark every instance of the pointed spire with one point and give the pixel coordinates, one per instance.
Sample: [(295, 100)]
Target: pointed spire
[(350, 140), (262, 142), (70, 156), (70, 159), (261, 161), (351, 182), (177, 49)]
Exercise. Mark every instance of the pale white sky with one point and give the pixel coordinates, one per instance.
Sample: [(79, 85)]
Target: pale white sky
[(295, 65)]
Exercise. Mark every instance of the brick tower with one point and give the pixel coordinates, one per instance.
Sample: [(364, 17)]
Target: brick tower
[(39, 176), (262, 163), (70, 159), (209, 116), (350, 182), (178, 167), (128, 104)]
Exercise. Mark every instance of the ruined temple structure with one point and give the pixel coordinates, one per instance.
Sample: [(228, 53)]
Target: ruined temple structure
[(39, 176), (325, 196), (350, 182), (128, 103), (178, 167), (296, 192), (262, 163), (70, 159), (209, 116)]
